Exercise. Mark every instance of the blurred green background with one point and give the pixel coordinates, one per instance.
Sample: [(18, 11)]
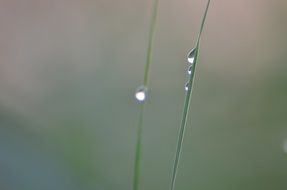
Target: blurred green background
[(68, 71)]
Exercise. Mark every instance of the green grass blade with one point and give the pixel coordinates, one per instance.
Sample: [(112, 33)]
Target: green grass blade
[(186, 105), (138, 150), (202, 23), (145, 83), (150, 42)]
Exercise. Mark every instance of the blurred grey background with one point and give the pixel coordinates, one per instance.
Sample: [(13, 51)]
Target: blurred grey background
[(68, 71)]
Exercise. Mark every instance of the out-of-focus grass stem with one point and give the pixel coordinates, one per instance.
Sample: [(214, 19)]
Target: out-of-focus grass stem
[(145, 84)]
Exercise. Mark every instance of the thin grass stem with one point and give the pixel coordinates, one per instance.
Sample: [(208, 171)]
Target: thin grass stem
[(145, 83), (187, 104), (138, 150), (150, 42)]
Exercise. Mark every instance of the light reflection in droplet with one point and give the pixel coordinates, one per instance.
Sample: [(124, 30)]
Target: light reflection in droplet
[(186, 86), (285, 146), (140, 94), (189, 71), (191, 56)]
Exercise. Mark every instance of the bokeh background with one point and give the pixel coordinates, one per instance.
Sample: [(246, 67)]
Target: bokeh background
[(68, 71)]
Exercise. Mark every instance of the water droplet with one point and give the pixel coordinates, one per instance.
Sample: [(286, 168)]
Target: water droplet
[(186, 86), (191, 56), (140, 93), (285, 146), (189, 70)]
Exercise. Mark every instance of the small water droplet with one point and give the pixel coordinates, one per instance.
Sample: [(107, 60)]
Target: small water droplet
[(189, 70), (285, 146), (140, 93), (191, 56), (186, 86)]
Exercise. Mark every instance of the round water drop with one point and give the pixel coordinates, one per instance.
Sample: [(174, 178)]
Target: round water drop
[(140, 93), (186, 86), (189, 71), (191, 56)]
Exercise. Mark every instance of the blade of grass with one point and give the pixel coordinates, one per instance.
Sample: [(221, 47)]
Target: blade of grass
[(150, 42), (138, 150), (187, 104), (145, 83)]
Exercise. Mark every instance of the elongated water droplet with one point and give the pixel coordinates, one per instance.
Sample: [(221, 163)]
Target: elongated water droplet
[(285, 146), (141, 93), (191, 56), (186, 86), (189, 70)]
